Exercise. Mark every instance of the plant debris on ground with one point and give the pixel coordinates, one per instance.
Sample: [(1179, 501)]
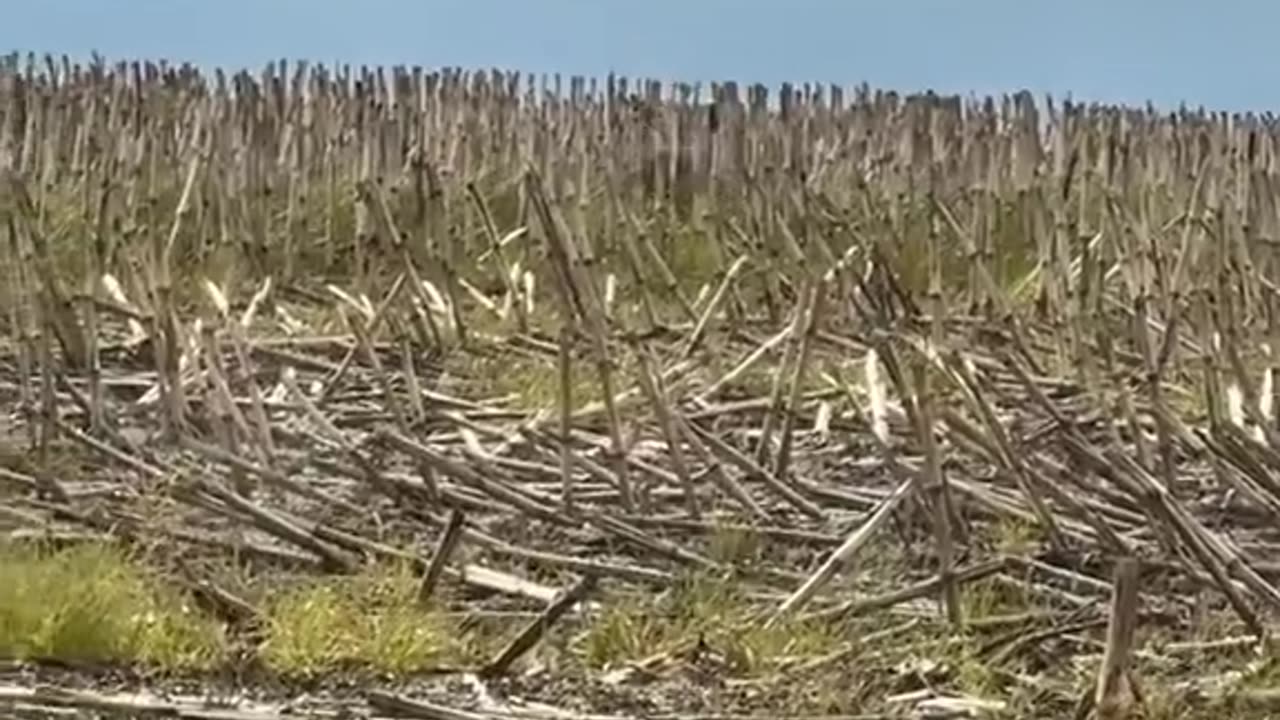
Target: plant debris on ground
[(449, 394)]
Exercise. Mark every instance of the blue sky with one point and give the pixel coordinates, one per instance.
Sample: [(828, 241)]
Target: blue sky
[(1203, 53)]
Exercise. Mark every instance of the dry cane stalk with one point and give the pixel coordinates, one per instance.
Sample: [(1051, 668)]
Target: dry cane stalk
[(220, 407), (393, 401), (401, 706), (746, 363), (842, 554), (880, 428), (372, 198), (531, 633), (942, 507), (632, 257), (764, 447), (718, 474), (49, 420), (169, 349), (416, 405), (495, 247), (20, 309), (97, 412), (59, 312), (370, 326), (98, 446), (923, 589), (275, 478), (453, 532), (699, 329), (672, 285), (575, 305), (277, 524), (1162, 506), (1114, 697), (566, 417), (657, 396), (238, 331), (783, 490), (791, 407), (1006, 455), (92, 283), (452, 255)]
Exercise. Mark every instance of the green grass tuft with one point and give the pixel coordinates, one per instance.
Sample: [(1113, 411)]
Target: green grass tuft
[(371, 621), (711, 610), (93, 604)]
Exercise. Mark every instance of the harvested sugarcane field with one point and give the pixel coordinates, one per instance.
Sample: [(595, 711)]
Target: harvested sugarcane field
[(341, 392)]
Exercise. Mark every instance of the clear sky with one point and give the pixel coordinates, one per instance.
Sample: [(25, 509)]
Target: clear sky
[(1128, 51)]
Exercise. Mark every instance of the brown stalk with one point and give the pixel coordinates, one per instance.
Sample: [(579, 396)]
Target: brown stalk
[(659, 401), (670, 283), (261, 429), (631, 254), (523, 642), (49, 428), (370, 326), (453, 532), (417, 408), (277, 524), (1008, 455), (941, 496), (790, 407), (749, 466), (577, 306), (221, 410), (92, 287), (718, 474), (59, 312), (855, 541), (1195, 537), (491, 232), (21, 310), (497, 489), (1114, 696), (915, 591), (565, 357), (374, 201), (764, 447), (391, 398), (746, 363), (241, 467), (141, 466), (713, 305)]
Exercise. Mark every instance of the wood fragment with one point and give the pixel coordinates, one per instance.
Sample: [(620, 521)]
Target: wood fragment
[(524, 641)]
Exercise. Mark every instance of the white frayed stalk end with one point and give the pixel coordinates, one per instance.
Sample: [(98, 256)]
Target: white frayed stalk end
[(1235, 405), (610, 292), (822, 420), (217, 297), (878, 397), (258, 298)]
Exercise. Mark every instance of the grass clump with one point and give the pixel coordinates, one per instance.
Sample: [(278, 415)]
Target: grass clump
[(93, 604), (733, 544), (532, 382), (708, 611), (371, 621)]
